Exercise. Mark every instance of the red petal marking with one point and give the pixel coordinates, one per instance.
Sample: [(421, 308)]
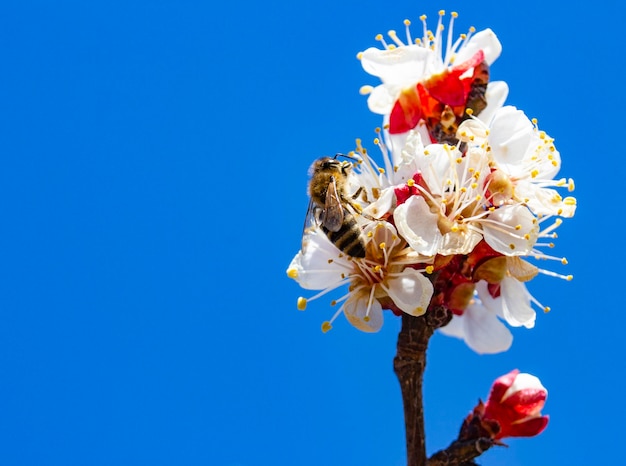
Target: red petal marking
[(528, 428), (501, 385), (448, 88), (406, 112), (528, 401), (426, 100)]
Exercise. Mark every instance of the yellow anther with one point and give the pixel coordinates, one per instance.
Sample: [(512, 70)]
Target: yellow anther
[(474, 185), (511, 246), (569, 278), (359, 55), (570, 185), (423, 18), (569, 200), (430, 269), (301, 303), (419, 310), (472, 29), (376, 141), (459, 160), (392, 33), (442, 12), (378, 37), (455, 14), (366, 318), (292, 273), (534, 173), (551, 245), (426, 152), (330, 261), (333, 303), (407, 22), (326, 326), (382, 245), (564, 261), (410, 182), (518, 227), (365, 90), (370, 234), (381, 170), (377, 268), (534, 120), (469, 111), (547, 309)]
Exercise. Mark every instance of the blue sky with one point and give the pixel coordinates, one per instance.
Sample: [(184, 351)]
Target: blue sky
[(152, 192)]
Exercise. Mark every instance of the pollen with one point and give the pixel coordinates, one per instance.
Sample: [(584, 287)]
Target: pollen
[(469, 111), (326, 326), (430, 269), (410, 182), (382, 245), (292, 273), (301, 303)]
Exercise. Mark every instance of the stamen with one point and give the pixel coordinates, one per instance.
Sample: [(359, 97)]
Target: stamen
[(381, 39), (407, 23), (302, 303), (394, 37)]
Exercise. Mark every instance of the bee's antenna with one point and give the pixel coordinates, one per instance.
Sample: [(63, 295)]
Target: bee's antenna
[(339, 154)]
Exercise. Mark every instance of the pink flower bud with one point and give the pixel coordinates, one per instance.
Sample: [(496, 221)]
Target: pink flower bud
[(515, 403)]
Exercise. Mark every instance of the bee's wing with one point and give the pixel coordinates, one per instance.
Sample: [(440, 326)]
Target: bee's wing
[(332, 216), (312, 217)]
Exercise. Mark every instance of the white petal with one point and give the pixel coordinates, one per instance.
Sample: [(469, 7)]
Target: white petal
[(401, 66), (543, 201), (319, 264), (381, 100), (511, 230), (481, 330), (418, 225), (411, 291), (510, 137), (497, 92), (367, 319), (524, 381), (382, 205), (516, 306), (460, 242), (485, 40)]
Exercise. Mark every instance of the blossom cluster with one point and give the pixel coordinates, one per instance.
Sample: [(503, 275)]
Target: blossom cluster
[(464, 201)]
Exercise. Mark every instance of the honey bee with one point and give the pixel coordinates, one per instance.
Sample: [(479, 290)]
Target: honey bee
[(332, 208)]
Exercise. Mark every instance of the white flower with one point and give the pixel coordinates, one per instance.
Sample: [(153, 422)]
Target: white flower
[(401, 66), (524, 162), (381, 279), (480, 328), (480, 324)]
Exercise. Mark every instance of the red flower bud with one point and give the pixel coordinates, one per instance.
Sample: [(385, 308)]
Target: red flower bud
[(515, 403)]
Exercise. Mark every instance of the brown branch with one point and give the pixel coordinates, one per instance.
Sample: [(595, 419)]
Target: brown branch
[(409, 365), (461, 453)]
